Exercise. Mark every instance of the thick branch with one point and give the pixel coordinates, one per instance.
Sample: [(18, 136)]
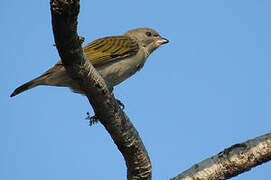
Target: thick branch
[(64, 20), (232, 161)]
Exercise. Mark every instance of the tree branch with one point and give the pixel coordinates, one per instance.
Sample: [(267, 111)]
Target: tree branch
[(64, 20), (232, 161)]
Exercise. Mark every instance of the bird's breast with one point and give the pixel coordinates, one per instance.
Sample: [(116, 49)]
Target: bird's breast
[(118, 71)]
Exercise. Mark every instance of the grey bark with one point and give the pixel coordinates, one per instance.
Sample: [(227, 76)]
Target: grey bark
[(232, 161)]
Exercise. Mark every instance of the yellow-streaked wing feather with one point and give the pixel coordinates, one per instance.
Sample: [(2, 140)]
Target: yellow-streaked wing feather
[(104, 50)]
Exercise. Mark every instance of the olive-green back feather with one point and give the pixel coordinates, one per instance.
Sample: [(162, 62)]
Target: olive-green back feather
[(109, 49)]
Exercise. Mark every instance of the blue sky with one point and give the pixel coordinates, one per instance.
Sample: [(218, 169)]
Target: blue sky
[(206, 90)]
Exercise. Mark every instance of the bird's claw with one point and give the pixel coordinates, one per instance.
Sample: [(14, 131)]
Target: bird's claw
[(122, 106), (94, 119)]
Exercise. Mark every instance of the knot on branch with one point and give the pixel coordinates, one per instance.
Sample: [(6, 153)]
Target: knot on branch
[(65, 7)]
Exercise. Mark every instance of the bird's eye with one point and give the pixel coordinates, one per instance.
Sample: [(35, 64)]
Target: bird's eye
[(149, 34)]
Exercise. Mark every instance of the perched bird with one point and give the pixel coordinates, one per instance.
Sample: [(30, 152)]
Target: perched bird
[(116, 58)]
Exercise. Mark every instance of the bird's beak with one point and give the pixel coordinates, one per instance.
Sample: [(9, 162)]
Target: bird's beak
[(161, 41)]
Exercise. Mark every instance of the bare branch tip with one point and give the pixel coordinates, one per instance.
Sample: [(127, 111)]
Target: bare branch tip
[(81, 39)]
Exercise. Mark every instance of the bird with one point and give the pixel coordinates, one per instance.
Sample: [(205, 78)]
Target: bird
[(116, 58)]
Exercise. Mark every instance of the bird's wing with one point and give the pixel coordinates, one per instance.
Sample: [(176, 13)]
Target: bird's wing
[(108, 49)]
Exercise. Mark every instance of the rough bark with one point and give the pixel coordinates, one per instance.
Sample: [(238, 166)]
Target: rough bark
[(64, 20), (232, 161)]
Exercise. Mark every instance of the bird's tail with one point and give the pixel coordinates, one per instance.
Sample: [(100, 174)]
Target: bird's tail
[(29, 85), (55, 76)]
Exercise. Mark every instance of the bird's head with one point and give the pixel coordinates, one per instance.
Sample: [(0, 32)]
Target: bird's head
[(147, 38)]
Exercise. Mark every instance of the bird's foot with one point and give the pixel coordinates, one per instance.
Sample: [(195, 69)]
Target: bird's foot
[(122, 106), (109, 86), (94, 119)]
